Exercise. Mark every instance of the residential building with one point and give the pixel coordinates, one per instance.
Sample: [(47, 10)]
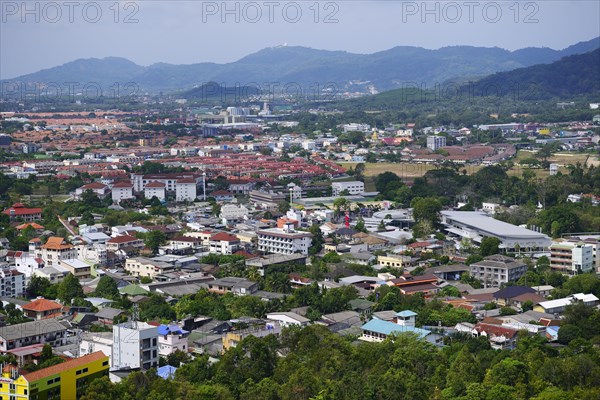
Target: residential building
[(172, 338), (436, 142), (232, 212), (99, 189), (135, 345), (80, 269), (394, 261), (18, 212), (56, 249), (377, 330), (558, 306), (493, 271), (155, 189), (287, 319), (170, 180), (12, 282), (500, 337), (122, 191), (92, 342), (67, 380), (476, 225), (231, 339), (224, 243), (353, 188), (284, 240), (123, 242), (142, 266), (185, 189), (237, 286), (49, 331), (42, 308), (222, 195), (572, 258)]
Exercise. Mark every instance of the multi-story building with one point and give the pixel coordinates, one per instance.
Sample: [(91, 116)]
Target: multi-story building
[(124, 241), (354, 188), (224, 243), (49, 331), (67, 380), (436, 142), (186, 189), (12, 282), (79, 269), (495, 270), (56, 249), (170, 180), (232, 212), (172, 338), (135, 345), (92, 342), (284, 240), (122, 191), (41, 308), (141, 266), (19, 212), (155, 189), (571, 257)]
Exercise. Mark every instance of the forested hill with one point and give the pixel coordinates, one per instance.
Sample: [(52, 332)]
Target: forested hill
[(569, 77)]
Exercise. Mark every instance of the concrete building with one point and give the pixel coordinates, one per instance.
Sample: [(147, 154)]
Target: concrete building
[(571, 258), (122, 191), (495, 270), (475, 225), (436, 142), (44, 331), (142, 266), (353, 188), (155, 189), (172, 338), (12, 282), (185, 189), (99, 189), (224, 243), (56, 249), (283, 240), (92, 342), (135, 345)]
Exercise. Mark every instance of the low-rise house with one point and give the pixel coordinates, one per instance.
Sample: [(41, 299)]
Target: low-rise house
[(42, 308), (224, 243), (286, 319), (107, 315), (506, 296), (124, 241), (237, 286), (450, 272), (222, 195), (142, 266), (78, 268), (558, 306), (394, 261), (231, 339), (99, 189), (377, 330), (500, 337)]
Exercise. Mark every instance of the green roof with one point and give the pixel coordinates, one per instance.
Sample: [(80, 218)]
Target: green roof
[(133, 290)]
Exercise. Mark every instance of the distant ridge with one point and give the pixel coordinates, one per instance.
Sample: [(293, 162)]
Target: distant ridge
[(307, 67)]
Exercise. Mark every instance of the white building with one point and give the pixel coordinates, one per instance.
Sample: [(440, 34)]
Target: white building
[(354, 188), (436, 142), (56, 249), (284, 240), (155, 189), (571, 257), (122, 191), (135, 345), (287, 319), (224, 243), (185, 190), (100, 189), (12, 283), (232, 212), (496, 270), (172, 338), (96, 341)]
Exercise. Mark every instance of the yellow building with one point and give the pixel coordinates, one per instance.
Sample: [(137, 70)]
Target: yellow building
[(67, 380)]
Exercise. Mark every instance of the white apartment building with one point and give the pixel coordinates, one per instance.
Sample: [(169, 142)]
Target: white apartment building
[(284, 240), (12, 283), (56, 249), (231, 212), (155, 189), (571, 258), (224, 243), (495, 270), (185, 190), (172, 338), (354, 188), (122, 191), (135, 345)]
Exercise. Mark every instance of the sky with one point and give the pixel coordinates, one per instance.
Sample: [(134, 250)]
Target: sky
[(41, 34)]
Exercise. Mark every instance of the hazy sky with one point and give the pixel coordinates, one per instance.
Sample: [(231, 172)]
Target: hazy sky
[(44, 33)]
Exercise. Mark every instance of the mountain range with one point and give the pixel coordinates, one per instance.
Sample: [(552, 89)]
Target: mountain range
[(380, 71)]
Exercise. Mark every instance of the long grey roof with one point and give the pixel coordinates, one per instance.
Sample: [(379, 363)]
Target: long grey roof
[(33, 328), (487, 224)]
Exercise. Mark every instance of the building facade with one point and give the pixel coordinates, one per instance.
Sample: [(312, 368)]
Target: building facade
[(135, 345)]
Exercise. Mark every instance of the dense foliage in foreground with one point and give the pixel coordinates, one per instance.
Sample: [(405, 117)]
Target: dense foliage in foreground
[(313, 363)]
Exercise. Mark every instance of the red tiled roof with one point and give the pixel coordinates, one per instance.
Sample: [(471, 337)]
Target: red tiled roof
[(495, 330), (21, 210), (58, 368), (186, 180), (93, 185), (123, 185), (224, 237), (32, 224), (56, 243), (122, 239), (42, 305), (155, 185), (221, 193)]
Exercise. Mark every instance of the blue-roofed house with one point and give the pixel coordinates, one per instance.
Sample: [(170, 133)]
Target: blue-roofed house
[(172, 338), (166, 372), (377, 330)]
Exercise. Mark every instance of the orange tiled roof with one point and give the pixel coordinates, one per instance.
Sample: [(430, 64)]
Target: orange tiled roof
[(56, 243), (42, 305), (32, 224), (58, 368)]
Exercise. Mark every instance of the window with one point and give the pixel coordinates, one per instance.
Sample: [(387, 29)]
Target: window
[(104, 363)]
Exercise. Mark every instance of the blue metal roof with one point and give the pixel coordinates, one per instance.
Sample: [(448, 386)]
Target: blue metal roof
[(387, 328), (167, 329), (166, 372), (406, 313)]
